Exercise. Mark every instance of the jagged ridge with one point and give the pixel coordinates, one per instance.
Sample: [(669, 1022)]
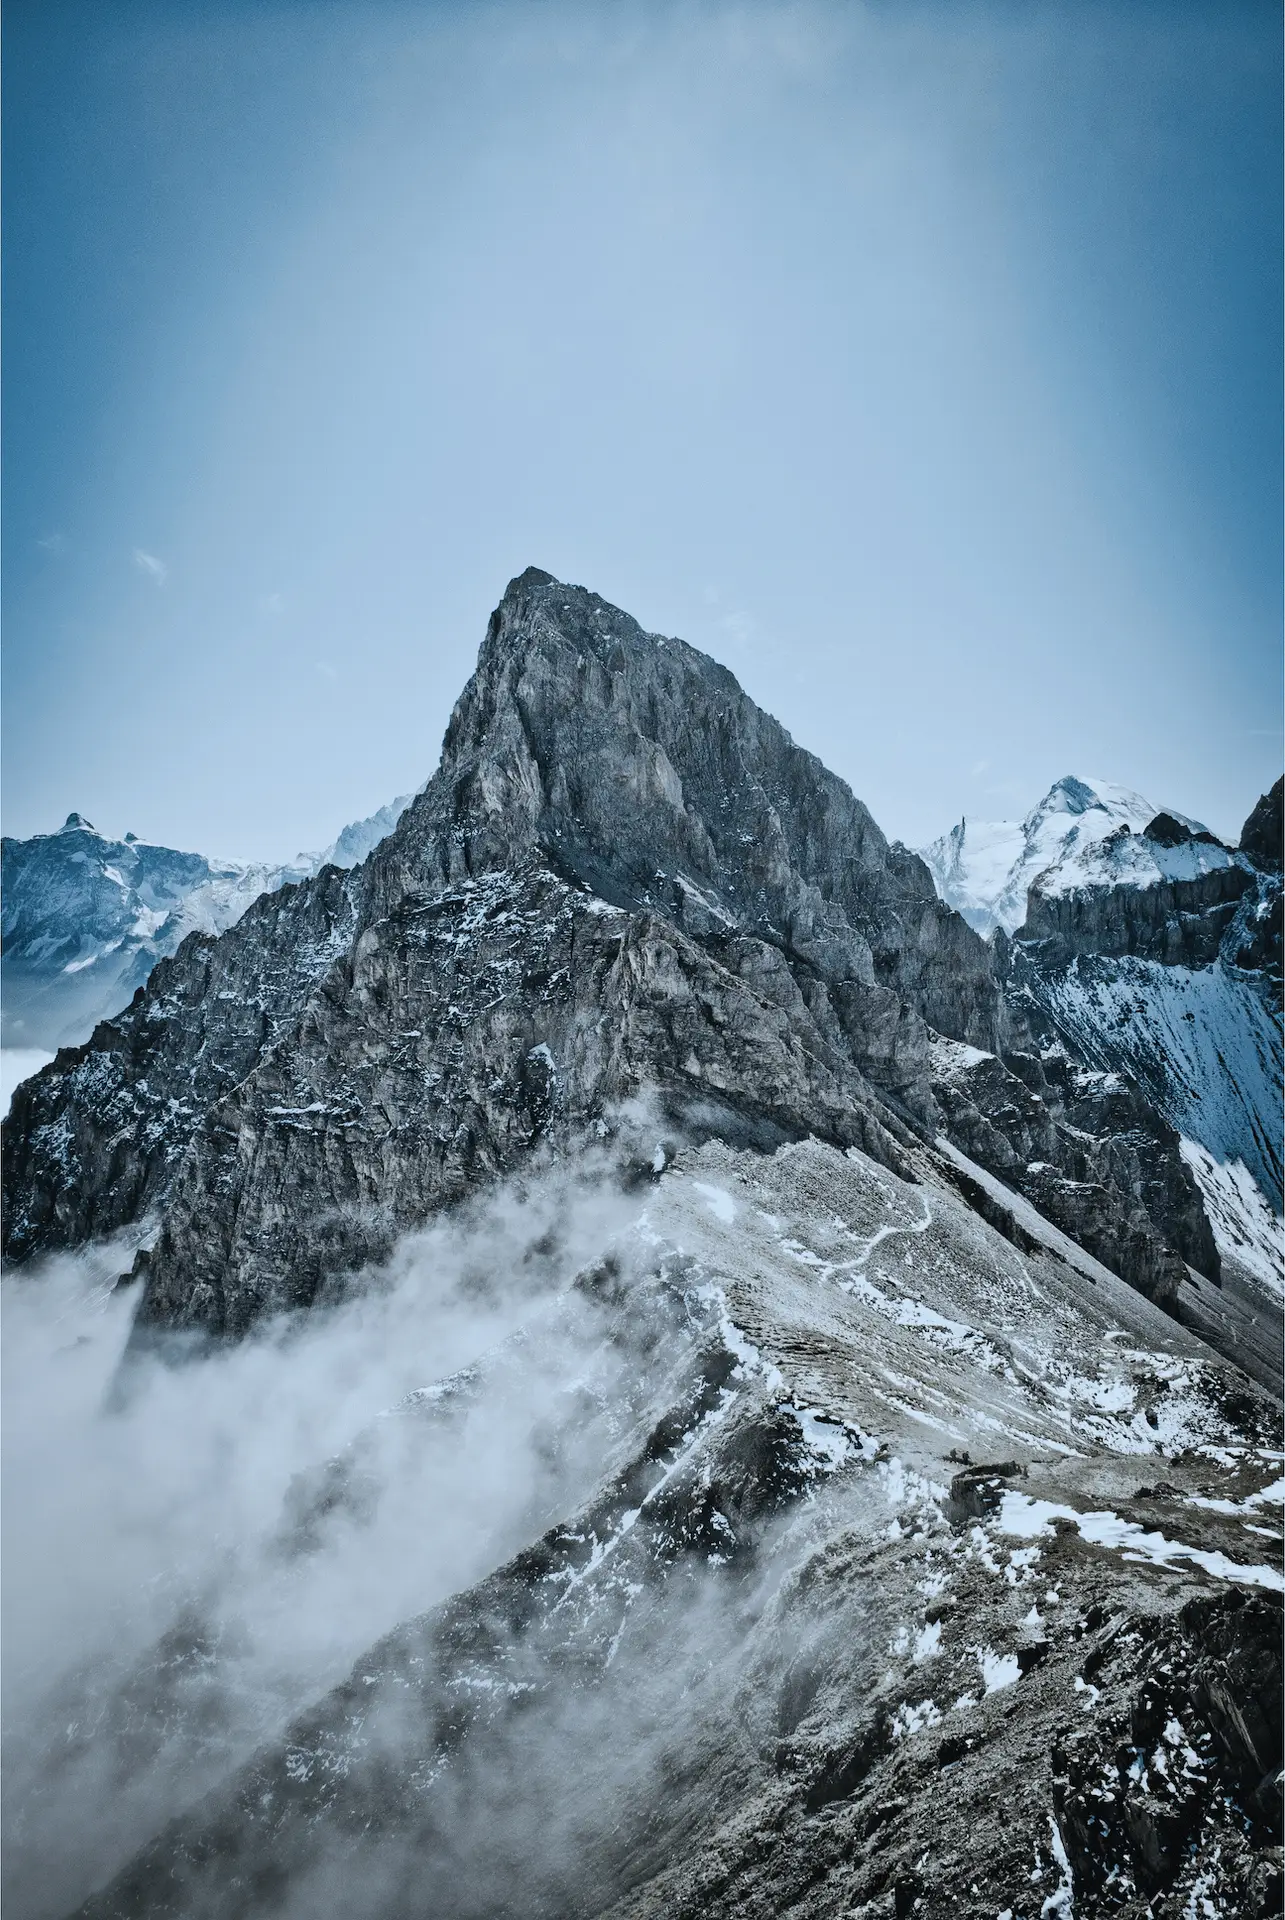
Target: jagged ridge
[(624, 874)]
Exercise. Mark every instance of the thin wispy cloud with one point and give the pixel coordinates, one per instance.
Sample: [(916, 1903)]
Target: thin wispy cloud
[(149, 564), (738, 627)]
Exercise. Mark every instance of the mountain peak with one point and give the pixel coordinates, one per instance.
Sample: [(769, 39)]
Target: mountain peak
[(77, 823), (641, 770), (1084, 832), (1073, 795), (530, 577)]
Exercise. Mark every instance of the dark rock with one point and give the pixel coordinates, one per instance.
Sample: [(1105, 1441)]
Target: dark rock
[(1129, 1815), (1166, 831), (1237, 1685), (1175, 922), (905, 1894), (1261, 835), (978, 1491)]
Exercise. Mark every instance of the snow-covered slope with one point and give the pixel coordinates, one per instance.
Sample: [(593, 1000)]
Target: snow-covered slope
[(1204, 1046), (1082, 833), (87, 917)]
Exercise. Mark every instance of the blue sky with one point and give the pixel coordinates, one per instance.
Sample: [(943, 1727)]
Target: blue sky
[(919, 361)]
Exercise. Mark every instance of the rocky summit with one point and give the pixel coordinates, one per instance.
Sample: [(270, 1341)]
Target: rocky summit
[(880, 1324)]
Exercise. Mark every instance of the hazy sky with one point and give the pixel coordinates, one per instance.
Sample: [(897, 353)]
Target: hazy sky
[(920, 361)]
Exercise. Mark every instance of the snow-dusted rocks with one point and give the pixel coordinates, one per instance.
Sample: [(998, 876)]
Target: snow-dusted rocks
[(758, 1660), (1141, 949)]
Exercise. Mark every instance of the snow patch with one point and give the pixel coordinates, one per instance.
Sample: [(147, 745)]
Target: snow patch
[(998, 1670), (1243, 1225), (1024, 1516), (908, 1719), (718, 1200), (1060, 1904)]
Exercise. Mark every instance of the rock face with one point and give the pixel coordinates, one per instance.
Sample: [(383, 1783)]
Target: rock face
[(1178, 922), (86, 917), (95, 1140), (1261, 835), (642, 771), (624, 875)]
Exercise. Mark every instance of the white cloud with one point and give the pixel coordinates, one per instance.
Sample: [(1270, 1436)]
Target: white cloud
[(149, 564), (738, 627)]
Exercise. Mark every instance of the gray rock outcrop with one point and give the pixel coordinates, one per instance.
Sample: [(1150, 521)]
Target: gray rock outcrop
[(623, 875), (1261, 835)]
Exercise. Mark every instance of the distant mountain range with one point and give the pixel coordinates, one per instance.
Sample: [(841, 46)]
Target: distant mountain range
[(86, 917)]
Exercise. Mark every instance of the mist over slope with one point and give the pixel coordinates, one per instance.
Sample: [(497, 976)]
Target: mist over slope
[(616, 1359)]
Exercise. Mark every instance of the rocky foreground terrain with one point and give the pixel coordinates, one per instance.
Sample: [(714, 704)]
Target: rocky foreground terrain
[(836, 1466)]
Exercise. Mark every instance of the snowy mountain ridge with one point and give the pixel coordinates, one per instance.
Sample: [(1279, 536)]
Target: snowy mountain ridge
[(86, 917), (1082, 833), (1143, 946)]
